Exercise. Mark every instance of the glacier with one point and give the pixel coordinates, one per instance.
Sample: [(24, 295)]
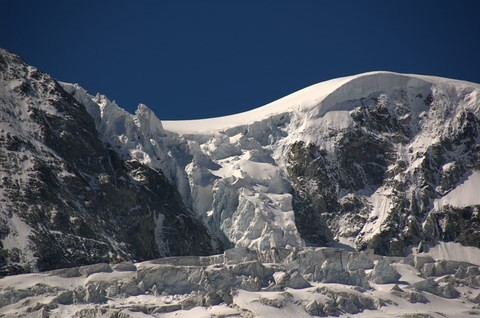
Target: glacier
[(235, 172)]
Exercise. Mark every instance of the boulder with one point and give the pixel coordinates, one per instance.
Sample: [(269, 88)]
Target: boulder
[(250, 283), (79, 294), (449, 291), (64, 298), (472, 282), (219, 279), (461, 273), (412, 297), (294, 280), (226, 297), (329, 308), (347, 305), (212, 299), (428, 285), (396, 289), (313, 308), (361, 260), (472, 271), (416, 297), (384, 273), (95, 294), (428, 270), (351, 301), (273, 302), (297, 281), (420, 260), (128, 287)]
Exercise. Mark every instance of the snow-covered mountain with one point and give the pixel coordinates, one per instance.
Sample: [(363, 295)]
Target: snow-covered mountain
[(379, 160), (384, 163)]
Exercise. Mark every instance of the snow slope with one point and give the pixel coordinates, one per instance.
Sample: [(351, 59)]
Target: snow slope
[(465, 194), (303, 99)]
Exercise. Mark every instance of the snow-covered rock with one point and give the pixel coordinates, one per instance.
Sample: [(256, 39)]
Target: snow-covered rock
[(421, 260), (292, 280), (384, 273), (412, 297)]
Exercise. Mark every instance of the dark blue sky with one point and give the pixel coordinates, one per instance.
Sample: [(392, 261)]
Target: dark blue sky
[(195, 59)]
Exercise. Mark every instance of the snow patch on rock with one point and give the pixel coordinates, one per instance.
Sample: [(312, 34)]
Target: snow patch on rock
[(465, 194)]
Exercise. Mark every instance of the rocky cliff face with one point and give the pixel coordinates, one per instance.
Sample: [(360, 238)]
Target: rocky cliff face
[(381, 178), (67, 198)]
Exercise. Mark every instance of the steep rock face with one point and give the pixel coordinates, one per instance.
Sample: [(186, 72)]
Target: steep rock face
[(381, 178), (67, 199)]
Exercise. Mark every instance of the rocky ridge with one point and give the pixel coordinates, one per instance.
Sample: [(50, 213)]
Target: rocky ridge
[(67, 198)]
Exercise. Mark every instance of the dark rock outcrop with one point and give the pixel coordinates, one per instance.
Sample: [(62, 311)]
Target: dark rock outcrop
[(68, 199)]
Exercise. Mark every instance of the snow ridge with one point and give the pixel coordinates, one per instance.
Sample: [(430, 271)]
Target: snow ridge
[(332, 95)]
